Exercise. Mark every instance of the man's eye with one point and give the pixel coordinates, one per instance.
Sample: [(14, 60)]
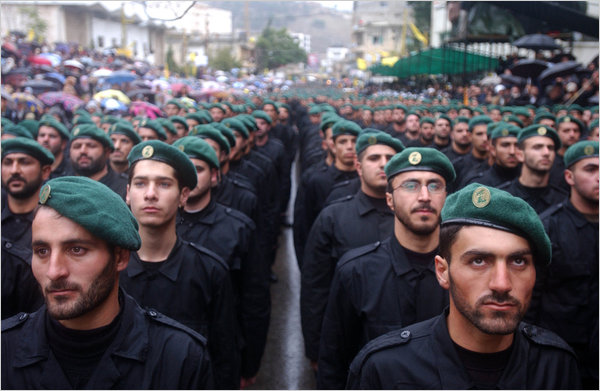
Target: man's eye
[(435, 186), (410, 185), (41, 252), (76, 250), (478, 261), (165, 185)]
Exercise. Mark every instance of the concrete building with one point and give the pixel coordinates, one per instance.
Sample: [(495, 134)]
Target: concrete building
[(303, 41)]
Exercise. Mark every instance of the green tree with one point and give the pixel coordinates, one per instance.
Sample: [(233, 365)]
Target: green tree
[(34, 22), (422, 15), (223, 60), (275, 48), (173, 67)]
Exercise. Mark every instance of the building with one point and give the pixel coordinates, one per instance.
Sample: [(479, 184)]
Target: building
[(303, 40)]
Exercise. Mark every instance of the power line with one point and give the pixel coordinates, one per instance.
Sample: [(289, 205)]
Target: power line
[(167, 20)]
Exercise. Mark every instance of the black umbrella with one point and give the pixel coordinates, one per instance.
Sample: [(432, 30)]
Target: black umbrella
[(140, 91), (39, 86), (529, 68), (561, 69), (536, 42), (512, 80)]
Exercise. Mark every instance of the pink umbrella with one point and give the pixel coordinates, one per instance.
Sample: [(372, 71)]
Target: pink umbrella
[(145, 109), (68, 101), (38, 60)]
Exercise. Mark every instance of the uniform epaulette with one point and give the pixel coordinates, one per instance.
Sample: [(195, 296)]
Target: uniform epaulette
[(236, 214), (458, 159), (156, 316), (20, 252), (15, 321), (358, 252), (243, 185), (277, 141), (541, 336), (340, 184), (504, 185), (342, 199), (205, 251), (551, 210), (558, 189)]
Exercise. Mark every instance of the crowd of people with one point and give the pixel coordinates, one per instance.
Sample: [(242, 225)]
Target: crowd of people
[(444, 241)]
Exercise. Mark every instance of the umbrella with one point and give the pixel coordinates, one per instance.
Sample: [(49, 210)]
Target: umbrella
[(511, 80), (55, 59), (120, 77), (163, 84), (102, 72), (46, 69), (141, 84), (9, 47), (561, 69), (15, 77), (33, 103), (39, 86), (116, 94), (486, 81), (113, 104), (38, 60), (55, 77), (68, 101), (146, 109), (529, 68), (73, 64), (536, 42), (140, 91), (176, 87)]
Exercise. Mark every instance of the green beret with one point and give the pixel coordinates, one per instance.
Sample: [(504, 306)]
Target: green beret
[(226, 132), (197, 148), (95, 207), (126, 129), (29, 147), (17, 130), (175, 102), (479, 120), (167, 125), (236, 125), (262, 115), (6, 122), (580, 150), (99, 114), (218, 106), (269, 102), (211, 132), (155, 126), (60, 128), (283, 106), (594, 124), (413, 112), (345, 127), (247, 120), (328, 119), (370, 137), (421, 159), (327, 108), (575, 107), (315, 110), (570, 118), (168, 154), (521, 111), (428, 120), (31, 125), (513, 118), (504, 129), (400, 107), (461, 118), (93, 132), (493, 208), (540, 130), (543, 115), (594, 109), (202, 117), (81, 112), (179, 119), (444, 116), (107, 119)]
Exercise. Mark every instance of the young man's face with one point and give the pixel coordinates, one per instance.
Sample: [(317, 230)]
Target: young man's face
[(207, 178), (504, 151), (418, 210), (583, 178), (49, 138), (547, 122), (479, 138), (569, 133), (171, 110), (490, 277), (153, 193), (123, 145), (538, 153), (427, 131), (461, 134), (412, 123), (217, 114), (147, 134), (88, 156), (271, 111), (442, 128), (370, 167), (237, 151), (345, 150), (180, 128), (76, 270), (23, 175), (263, 127)]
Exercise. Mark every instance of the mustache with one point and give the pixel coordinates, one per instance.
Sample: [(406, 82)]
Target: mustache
[(61, 285), (499, 298), (14, 178), (426, 207)]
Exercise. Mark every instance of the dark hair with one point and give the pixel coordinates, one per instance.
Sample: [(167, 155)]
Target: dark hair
[(177, 174), (448, 234)]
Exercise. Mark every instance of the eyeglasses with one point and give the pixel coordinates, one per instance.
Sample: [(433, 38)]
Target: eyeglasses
[(415, 187)]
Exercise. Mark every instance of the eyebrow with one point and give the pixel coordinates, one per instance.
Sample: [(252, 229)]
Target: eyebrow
[(485, 253), (158, 178), (67, 242)]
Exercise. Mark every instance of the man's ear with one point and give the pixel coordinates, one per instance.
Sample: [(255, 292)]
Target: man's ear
[(569, 177), (183, 197), (441, 272), (127, 200), (121, 258)]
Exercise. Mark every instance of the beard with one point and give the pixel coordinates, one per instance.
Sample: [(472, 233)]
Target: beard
[(28, 190), (95, 166), (97, 294), (427, 226)]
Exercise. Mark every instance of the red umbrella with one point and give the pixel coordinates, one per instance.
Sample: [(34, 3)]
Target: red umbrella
[(145, 109), (37, 60), (68, 101)]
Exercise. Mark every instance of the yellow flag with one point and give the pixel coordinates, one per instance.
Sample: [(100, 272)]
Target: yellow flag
[(418, 34), (465, 98), (389, 61), (30, 35), (361, 64), (167, 71)]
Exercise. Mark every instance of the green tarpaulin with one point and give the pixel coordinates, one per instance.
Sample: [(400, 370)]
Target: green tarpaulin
[(445, 61)]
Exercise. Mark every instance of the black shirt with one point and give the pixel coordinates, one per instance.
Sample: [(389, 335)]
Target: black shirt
[(484, 369)]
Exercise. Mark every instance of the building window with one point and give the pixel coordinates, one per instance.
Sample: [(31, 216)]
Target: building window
[(114, 42), (100, 42)]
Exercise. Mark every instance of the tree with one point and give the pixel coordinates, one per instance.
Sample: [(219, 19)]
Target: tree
[(173, 67), (275, 48), (35, 22), (223, 60)]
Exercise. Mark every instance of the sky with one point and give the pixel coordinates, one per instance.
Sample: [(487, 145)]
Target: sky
[(340, 5)]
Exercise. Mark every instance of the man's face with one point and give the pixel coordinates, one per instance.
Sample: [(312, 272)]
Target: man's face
[(427, 131), (271, 111), (398, 115), (171, 110), (153, 193), (217, 114), (496, 115), (105, 126), (490, 277), (191, 123), (569, 133), (49, 138), (123, 145), (538, 153), (147, 134), (76, 271), (504, 151), (367, 116), (180, 128), (315, 119), (583, 179), (344, 149), (594, 134), (442, 128), (461, 134), (215, 145), (283, 114), (464, 113), (237, 151), (418, 211), (547, 122), (22, 175), (479, 138), (263, 127), (207, 178), (370, 167), (88, 156), (412, 123)]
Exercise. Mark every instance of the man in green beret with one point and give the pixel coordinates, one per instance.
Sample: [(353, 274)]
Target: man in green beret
[(398, 269), (180, 124), (149, 129), (569, 131), (477, 159), (54, 136), (124, 137), (537, 145), (411, 134), (567, 289), (489, 245), (460, 139), (594, 134), (503, 150), (25, 167), (174, 107), (91, 333), (230, 234), (426, 133), (217, 112), (545, 118), (442, 127), (12, 131), (398, 121), (354, 220), (181, 279), (89, 155)]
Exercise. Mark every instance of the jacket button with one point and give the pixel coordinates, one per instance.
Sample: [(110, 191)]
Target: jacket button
[(8, 245), (405, 334), (23, 316), (152, 314)]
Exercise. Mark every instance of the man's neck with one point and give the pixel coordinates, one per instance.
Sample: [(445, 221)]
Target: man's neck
[(157, 242), (411, 135), (398, 128), (460, 150), (98, 317), (469, 337), (582, 205), (224, 167), (529, 178), (478, 154), (58, 159), (120, 167), (343, 167), (369, 191), (198, 205), (418, 243), (262, 140), (22, 206), (441, 141)]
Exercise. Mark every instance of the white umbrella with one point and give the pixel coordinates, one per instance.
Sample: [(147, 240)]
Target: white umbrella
[(74, 64), (102, 72)]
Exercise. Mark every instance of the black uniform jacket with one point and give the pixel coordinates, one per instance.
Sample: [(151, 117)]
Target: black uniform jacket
[(423, 356), (349, 223), (540, 199), (193, 287), (492, 176), (16, 228), (150, 351), (117, 182)]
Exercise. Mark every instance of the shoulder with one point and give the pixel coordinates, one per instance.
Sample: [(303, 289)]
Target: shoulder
[(237, 215), (558, 190), (16, 322), (171, 326), (551, 211), (207, 254), (241, 183), (506, 185), (357, 253), (341, 200), (17, 253), (543, 338)]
